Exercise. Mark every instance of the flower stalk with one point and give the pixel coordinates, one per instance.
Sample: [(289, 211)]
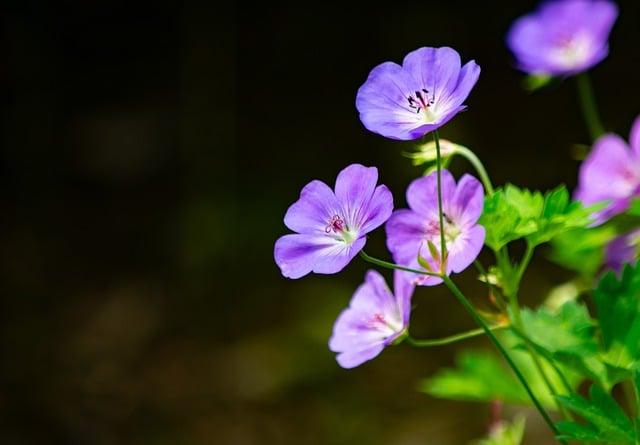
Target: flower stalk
[(589, 107)]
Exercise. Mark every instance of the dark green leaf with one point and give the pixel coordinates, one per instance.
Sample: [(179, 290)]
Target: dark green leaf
[(606, 422)]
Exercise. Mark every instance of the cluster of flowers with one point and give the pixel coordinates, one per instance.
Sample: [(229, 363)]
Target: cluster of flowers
[(405, 102)]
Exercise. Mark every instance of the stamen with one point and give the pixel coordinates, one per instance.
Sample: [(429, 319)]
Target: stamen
[(336, 224), (421, 101)]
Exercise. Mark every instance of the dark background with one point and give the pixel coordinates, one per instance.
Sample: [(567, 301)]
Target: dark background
[(149, 152)]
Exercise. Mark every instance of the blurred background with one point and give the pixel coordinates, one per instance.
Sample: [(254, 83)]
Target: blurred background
[(149, 152)]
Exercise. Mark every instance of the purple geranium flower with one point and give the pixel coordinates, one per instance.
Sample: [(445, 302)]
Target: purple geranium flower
[(410, 231), (331, 227), (563, 37), (405, 102), (622, 250), (374, 319), (611, 173)]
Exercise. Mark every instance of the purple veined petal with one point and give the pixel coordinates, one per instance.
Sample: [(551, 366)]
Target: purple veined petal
[(468, 201), (311, 212), (352, 332), (405, 231), (467, 79), (434, 69), (378, 211), (354, 189), (374, 296), (383, 103), (299, 254), (403, 291), (465, 249), (634, 137), (352, 359), (422, 193), (608, 172)]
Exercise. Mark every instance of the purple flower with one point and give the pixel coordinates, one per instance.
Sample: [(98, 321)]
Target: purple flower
[(331, 227), (374, 319), (611, 173), (409, 231), (405, 102), (563, 37), (622, 250)]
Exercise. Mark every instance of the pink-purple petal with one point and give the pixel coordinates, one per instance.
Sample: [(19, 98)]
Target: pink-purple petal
[(468, 200), (435, 69), (316, 206), (378, 211), (607, 173), (299, 254), (354, 188), (405, 235), (465, 249), (422, 193), (352, 359)]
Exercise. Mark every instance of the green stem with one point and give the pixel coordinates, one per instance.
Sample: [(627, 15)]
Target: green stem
[(478, 319), (452, 338), (477, 164), (388, 265), (588, 105), (443, 247)]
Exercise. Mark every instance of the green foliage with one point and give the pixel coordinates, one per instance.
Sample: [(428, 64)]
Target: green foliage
[(618, 307), (570, 329), (505, 434), (481, 376), (582, 250), (512, 213), (606, 422)]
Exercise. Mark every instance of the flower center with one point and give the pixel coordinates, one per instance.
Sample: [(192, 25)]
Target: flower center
[(571, 51), (379, 322), (420, 101), (451, 230), (339, 227)]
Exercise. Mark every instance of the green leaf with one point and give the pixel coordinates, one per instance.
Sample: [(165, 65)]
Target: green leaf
[(606, 421), (505, 434), (512, 213), (569, 329), (618, 308), (478, 377), (567, 336), (481, 376), (582, 250)]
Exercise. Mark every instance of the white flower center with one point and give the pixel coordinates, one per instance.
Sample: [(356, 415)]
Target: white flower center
[(421, 102), (338, 226)]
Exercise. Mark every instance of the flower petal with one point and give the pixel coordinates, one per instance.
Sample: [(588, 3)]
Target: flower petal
[(607, 173), (374, 296), (466, 81), (422, 193), (383, 105), (313, 211), (435, 69), (405, 235), (465, 249), (468, 201), (351, 359), (354, 188), (298, 255), (378, 211)]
